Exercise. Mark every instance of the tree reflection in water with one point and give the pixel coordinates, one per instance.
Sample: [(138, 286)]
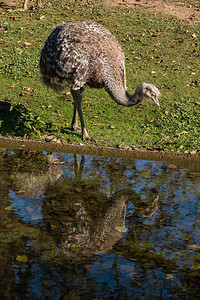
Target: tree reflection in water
[(77, 226)]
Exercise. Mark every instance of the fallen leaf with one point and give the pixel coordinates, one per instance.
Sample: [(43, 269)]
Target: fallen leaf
[(195, 267), (27, 44), (8, 207), (181, 147), (151, 121), (112, 127), (22, 258), (171, 166), (164, 219), (53, 227), (75, 248), (121, 145), (9, 225), (121, 229), (66, 223), (169, 276), (28, 89), (194, 35), (20, 192)]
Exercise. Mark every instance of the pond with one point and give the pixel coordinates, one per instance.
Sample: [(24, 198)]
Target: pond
[(77, 226)]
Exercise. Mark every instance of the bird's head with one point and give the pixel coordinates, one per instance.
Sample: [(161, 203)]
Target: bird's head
[(148, 90)]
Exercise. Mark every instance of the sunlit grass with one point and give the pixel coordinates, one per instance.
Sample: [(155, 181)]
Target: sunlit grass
[(160, 50)]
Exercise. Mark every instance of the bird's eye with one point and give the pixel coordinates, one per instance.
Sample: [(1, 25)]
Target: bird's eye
[(153, 94)]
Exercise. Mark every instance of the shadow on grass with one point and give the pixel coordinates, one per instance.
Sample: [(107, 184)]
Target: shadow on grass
[(6, 4), (17, 120), (70, 132), (8, 119)]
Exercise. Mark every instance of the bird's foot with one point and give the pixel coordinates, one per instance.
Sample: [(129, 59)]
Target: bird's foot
[(20, 9), (76, 128), (89, 138), (85, 136)]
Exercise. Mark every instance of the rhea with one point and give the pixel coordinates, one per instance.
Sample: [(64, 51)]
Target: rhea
[(80, 54)]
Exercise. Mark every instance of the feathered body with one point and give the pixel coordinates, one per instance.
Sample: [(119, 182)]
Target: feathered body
[(83, 53), (80, 54)]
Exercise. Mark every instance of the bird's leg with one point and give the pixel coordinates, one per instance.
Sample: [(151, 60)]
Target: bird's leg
[(25, 5), (74, 125), (39, 3), (77, 101)]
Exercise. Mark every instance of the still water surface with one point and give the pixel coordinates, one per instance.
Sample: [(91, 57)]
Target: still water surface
[(88, 227)]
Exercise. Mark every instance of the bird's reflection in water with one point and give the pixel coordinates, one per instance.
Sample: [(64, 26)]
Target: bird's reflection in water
[(85, 219), (80, 216)]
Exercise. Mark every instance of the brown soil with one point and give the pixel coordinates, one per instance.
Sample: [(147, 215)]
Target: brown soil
[(187, 12)]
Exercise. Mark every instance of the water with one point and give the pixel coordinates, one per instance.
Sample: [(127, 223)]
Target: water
[(91, 227)]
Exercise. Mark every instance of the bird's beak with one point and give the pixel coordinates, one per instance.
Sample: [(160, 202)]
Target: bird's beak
[(156, 102)]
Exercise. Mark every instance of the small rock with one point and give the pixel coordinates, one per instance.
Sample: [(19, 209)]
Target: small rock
[(134, 148), (52, 139), (193, 152)]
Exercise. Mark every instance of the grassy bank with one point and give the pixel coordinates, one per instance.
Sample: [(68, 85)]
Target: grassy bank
[(158, 49)]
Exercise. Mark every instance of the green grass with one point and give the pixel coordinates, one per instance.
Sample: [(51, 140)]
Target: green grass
[(159, 49)]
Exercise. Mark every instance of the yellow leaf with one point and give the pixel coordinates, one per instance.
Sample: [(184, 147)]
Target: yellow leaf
[(79, 190), (169, 276), (20, 192), (8, 207), (66, 223), (195, 267), (9, 225), (121, 229), (75, 248), (164, 219), (53, 227), (181, 147), (22, 258)]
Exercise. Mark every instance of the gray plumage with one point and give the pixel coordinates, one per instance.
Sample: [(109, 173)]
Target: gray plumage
[(79, 54)]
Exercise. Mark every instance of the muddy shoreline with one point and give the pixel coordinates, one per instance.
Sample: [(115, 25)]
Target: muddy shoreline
[(191, 161)]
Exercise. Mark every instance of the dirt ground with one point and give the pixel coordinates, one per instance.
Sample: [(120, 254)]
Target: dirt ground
[(188, 10), (189, 13)]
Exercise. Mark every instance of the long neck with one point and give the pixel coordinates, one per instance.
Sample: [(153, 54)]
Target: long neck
[(122, 97)]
